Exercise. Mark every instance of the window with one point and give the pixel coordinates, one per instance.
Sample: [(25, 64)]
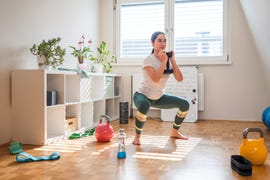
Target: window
[(195, 29)]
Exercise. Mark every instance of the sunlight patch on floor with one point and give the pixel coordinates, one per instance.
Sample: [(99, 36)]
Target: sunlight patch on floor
[(66, 145), (151, 140), (179, 148), (161, 156), (158, 156), (111, 146), (96, 153), (182, 147)]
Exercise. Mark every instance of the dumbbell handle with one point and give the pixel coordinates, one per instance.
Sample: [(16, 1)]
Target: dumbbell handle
[(247, 130), (168, 64)]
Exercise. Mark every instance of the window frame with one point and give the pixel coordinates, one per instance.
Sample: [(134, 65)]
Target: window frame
[(168, 29)]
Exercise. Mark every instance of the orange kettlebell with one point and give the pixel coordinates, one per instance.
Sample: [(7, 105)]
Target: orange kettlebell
[(104, 131), (253, 149)]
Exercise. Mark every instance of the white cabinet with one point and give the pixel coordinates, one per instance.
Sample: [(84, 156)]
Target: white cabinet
[(82, 100)]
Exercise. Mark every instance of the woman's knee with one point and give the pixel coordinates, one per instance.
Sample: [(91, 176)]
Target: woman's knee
[(143, 106), (184, 105), (142, 103)]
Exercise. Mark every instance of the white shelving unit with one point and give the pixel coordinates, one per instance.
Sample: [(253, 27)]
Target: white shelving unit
[(85, 99)]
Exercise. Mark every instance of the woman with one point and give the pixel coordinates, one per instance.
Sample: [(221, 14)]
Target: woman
[(151, 92)]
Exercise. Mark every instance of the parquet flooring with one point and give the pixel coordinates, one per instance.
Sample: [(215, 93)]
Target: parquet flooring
[(206, 155)]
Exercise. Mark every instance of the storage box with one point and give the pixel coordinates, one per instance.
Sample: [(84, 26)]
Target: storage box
[(51, 98), (71, 124)]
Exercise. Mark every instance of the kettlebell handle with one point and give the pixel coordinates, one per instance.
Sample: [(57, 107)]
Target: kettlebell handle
[(107, 117), (247, 130)]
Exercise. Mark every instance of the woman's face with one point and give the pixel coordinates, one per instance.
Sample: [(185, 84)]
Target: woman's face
[(160, 43)]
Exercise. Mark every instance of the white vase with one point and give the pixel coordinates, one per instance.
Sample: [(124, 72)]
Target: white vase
[(81, 66), (46, 67), (42, 59), (98, 68), (85, 66)]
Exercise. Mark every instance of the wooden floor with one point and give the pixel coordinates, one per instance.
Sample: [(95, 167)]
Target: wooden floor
[(206, 155)]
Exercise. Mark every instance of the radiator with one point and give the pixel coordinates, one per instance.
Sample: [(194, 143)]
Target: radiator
[(201, 92), (191, 88)]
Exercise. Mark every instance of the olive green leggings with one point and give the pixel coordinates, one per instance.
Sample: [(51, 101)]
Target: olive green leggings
[(166, 101)]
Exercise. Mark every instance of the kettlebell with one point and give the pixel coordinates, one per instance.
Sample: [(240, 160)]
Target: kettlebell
[(253, 149), (104, 131)]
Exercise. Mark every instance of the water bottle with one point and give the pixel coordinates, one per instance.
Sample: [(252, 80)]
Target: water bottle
[(121, 144)]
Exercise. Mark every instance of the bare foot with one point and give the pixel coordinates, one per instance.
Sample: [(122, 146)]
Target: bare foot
[(176, 134), (136, 140)]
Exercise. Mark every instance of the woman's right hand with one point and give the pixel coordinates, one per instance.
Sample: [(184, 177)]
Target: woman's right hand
[(162, 56)]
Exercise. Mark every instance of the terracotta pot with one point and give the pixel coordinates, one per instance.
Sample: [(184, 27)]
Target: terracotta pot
[(80, 60)]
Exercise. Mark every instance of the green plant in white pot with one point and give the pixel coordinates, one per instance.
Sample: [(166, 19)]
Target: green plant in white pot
[(49, 53), (103, 58)]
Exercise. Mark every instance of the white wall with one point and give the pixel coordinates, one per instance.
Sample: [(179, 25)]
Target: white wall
[(232, 92), (257, 15), (24, 23), (243, 88)]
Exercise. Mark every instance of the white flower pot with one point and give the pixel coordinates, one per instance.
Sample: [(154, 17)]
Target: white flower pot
[(41, 59), (98, 68)]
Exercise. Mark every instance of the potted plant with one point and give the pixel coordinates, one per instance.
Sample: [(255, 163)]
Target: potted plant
[(82, 51), (103, 58), (49, 53)]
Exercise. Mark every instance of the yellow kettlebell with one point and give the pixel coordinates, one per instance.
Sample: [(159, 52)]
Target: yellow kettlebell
[(253, 149)]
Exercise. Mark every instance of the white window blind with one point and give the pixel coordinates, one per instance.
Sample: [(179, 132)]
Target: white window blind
[(198, 28), (195, 29), (137, 22)]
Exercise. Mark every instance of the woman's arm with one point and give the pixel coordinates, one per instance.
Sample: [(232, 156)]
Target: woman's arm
[(157, 74)]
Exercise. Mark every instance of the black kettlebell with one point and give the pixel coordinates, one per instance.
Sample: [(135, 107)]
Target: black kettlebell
[(168, 70)]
